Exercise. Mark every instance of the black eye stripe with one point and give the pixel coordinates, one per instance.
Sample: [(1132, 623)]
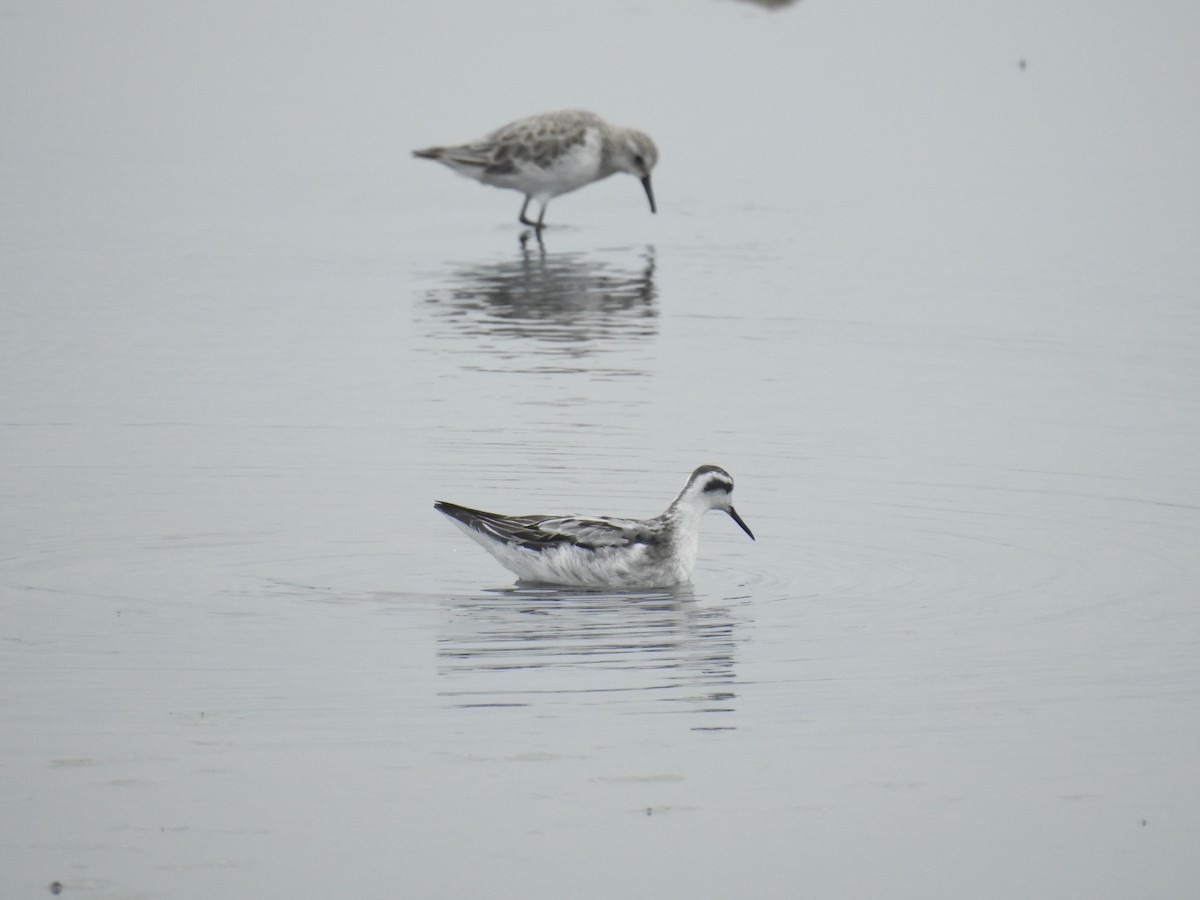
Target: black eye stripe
[(717, 484)]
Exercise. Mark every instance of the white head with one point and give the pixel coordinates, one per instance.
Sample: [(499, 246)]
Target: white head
[(636, 154), (711, 487)]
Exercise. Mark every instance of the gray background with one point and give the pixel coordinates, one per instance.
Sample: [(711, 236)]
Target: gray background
[(935, 312)]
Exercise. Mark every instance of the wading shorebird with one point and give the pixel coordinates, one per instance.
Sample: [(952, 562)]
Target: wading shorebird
[(550, 154), (602, 551)]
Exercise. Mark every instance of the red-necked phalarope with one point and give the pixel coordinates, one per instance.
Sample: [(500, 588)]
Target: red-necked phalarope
[(550, 154), (602, 551)]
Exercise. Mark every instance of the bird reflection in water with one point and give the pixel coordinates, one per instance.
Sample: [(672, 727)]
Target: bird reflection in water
[(526, 645), (574, 303)]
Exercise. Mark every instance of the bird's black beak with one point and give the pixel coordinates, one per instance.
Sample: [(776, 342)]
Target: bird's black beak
[(733, 515), (650, 196)]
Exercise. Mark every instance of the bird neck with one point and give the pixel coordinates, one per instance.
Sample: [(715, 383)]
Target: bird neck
[(685, 514)]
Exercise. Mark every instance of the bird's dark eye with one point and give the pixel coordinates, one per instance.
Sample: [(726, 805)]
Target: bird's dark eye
[(716, 484), (639, 162)]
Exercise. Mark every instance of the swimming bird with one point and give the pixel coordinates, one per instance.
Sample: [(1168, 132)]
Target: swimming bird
[(603, 551), (550, 154)]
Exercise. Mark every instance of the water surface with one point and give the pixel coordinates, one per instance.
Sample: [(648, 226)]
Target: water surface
[(934, 310)]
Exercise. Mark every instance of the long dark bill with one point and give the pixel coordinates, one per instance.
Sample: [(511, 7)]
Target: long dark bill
[(649, 193), (733, 515)]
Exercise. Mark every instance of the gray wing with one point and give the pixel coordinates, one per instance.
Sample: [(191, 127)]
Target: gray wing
[(493, 158), (541, 532), (465, 155), (537, 140), (597, 531)]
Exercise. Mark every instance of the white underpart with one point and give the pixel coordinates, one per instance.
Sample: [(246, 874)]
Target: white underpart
[(579, 166)]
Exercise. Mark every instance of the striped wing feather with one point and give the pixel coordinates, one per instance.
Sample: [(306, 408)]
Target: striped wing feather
[(540, 532)]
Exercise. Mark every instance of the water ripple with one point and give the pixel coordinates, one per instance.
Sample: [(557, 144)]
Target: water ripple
[(565, 305), (522, 646)]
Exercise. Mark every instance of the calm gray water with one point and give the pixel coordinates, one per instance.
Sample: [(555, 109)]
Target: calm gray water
[(935, 311)]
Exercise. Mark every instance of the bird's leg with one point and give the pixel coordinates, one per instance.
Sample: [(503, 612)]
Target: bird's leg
[(524, 221), (537, 226)]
